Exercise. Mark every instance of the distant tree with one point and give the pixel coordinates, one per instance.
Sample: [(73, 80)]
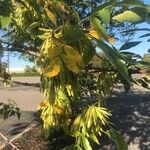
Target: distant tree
[(146, 57), (1, 55), (31, 70)]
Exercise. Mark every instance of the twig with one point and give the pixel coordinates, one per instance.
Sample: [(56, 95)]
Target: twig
[(8, 142), (27, 84), (24, 83)]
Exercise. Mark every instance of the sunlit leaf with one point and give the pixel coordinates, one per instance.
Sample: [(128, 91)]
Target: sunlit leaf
[(43, 104), (61, 6), (71, 63), (111, 40), (52, 71), (5, 21), (94, 34), (96, 23), (104, 15), (86, 143), (74, 54), (94, 138), (34, 25), (127, 16), (51, 15)]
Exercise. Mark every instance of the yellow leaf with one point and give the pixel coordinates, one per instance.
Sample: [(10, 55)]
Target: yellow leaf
[(51, 15), (53, 52), (69, 90), (95, 34), (71, 64), (61, 7), (127, 15), (52, 71), (111, 40), (73, 54), (72, 59), (44, 103), (59, 110)]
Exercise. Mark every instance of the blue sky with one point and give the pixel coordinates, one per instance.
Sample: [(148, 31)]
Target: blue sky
[(147, 1), (141, 49), (16, 61), (144, 45)]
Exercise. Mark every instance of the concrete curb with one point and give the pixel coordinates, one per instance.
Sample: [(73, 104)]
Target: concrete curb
[(20, 134)]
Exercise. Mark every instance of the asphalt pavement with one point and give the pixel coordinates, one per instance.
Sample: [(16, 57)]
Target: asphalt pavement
[(131, 113), (27, 98), (12, 126)]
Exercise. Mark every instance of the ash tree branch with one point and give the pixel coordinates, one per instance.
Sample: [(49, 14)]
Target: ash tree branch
[(14, 47)]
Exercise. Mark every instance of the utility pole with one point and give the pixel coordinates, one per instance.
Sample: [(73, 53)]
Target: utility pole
[(0, 63), (1, 55), (8, 60)]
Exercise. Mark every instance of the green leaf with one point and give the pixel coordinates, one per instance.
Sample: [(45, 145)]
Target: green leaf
[(136, 3), (78, 147), (127, 16), (135, 30), (131, 54), (89, 53), (113, 56), (94, 138), (104, 15), (142, 12), (145, 35), (70, 147), (143, 62), (143, 83), (129, 45), (4, 9), (34, 25), (118, 139), (35, 5), (5, 21), (86, 143), (96, 23), (71, 34), (104, 6)]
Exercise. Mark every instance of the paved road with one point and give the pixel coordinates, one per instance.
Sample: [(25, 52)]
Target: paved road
[(131, 116), (12, 127), (131, 113), (27, 98), (27, 79)]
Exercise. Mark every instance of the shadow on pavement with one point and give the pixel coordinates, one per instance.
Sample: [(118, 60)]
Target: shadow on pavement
[(13, 126), (131, 116), (19, 127)]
